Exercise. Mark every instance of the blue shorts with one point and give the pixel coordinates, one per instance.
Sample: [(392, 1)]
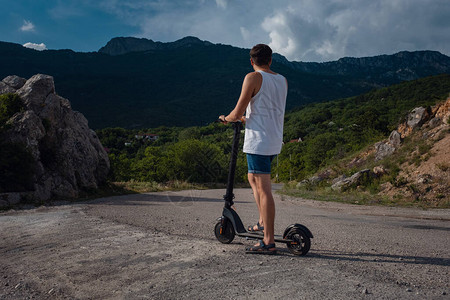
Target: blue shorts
[(259, 164)]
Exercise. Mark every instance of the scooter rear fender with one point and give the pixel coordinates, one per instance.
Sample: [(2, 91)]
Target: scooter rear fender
[(300, 227)]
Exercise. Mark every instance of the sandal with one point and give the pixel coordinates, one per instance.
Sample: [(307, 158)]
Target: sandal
[(262, 249), (252, 228)]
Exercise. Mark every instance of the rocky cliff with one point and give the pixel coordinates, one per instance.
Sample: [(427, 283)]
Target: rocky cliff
[(411, 167), (67, 156)]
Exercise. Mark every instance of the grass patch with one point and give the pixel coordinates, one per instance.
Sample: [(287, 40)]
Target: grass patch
[(147, 187), (136, 187), (442, 166), (110, 189), (349, 197), (364, 197)]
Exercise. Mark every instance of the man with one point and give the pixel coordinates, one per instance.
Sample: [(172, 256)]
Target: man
[(263, 97)]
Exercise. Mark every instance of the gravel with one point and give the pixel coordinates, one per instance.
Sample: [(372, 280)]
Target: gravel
[(162, 246)]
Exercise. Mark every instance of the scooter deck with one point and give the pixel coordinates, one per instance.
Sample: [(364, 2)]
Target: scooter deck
[(258, 236)]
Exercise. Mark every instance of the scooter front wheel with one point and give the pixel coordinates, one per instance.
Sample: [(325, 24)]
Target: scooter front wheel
[(224, 231), (300, 241)]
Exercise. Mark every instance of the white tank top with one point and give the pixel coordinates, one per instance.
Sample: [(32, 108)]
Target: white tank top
[(265, 116)]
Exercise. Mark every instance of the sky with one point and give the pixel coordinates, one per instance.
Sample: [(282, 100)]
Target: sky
[(301, 30)]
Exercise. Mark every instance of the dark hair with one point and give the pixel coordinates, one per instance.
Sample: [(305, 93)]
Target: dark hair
[(261, 54)]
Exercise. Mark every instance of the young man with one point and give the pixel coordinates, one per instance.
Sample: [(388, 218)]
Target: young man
[(263, 97)]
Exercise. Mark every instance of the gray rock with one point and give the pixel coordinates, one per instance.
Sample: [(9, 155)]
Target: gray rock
[(424, 178), (386, 148), (26, 128), (341, 185), (354, 180), (417, 117), (314, 180), (68, 155), (302, 183), (379, 171), (4, 88), (383, 150), (36, 90), (395, 139), (435, 122), (14, 81), (337, 179)]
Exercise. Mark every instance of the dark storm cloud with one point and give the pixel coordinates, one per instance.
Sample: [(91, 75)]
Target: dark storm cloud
[(299, 29)]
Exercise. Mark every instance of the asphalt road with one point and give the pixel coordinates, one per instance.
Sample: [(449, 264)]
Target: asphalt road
[(162, 246)]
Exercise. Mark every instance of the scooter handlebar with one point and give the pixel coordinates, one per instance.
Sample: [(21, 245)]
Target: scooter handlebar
[(242, 120)]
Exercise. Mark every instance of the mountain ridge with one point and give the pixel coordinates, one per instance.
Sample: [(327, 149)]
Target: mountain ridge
[(123, 45), (189, 81)]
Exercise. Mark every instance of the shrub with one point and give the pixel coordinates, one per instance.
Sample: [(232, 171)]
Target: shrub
[(17, 168), (9, 105)]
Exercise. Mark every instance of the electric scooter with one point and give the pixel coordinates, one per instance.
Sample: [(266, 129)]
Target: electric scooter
[(297, 237)]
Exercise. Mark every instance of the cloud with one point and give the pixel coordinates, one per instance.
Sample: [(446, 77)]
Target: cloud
[(327, 30), (221, 3), (307, 30), (245, 33), (27, 26), (39, 47)]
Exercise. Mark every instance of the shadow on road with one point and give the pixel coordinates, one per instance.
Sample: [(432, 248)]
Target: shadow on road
[(380, 258), (153, 199)]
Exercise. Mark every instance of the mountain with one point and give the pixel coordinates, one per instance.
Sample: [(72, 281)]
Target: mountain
[(138, 83), (123, 45), (404, 65)]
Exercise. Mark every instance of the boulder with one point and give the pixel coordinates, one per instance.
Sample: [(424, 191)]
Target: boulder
[(36, 90), (4, 88), (302, 184), (436, 121), (395, 139), (14, 81), (337, 179), (386, 148), (354, 180), (379, 171), (26, 128), (383, 150), (358, 176), (341, 185), (314, 180), (68, 156), (417, 117), (424, 178)]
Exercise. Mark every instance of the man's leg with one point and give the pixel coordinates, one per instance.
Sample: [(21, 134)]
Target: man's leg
[(252, 181), (266, 205)]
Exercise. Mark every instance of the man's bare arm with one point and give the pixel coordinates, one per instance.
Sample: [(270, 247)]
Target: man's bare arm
[(250, 87)]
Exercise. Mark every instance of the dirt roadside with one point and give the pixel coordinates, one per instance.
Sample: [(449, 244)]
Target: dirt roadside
[(162, 246)]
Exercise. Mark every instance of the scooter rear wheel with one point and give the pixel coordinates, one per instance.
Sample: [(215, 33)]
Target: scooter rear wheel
[(224, 232), (301, 242)]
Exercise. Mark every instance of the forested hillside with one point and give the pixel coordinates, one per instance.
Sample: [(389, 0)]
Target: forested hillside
[(328, 131), (189, 82)]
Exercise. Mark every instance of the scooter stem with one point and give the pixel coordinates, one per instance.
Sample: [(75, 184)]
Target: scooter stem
[(229, 196)]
